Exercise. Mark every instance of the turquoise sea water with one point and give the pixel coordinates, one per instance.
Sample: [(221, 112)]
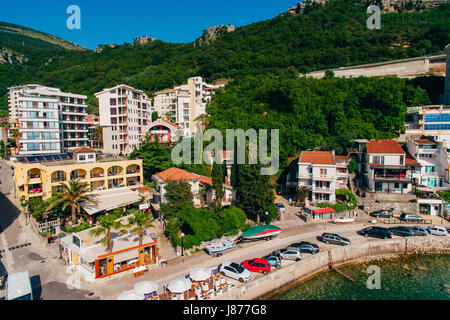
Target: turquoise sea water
[(420, 277)]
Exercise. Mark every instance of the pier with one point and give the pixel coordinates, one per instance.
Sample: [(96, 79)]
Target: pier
[(333, 268)]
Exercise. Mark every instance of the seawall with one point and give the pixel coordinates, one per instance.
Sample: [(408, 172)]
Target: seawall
[(341, 255)]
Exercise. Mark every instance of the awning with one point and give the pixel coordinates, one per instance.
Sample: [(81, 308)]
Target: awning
[(323, 210), (111, 199), (125, 256)]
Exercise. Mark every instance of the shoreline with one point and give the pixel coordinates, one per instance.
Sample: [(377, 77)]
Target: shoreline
[(284, 278), (384, 258)]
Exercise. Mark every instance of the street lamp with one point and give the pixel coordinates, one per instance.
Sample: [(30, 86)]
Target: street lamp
[(182, 250)]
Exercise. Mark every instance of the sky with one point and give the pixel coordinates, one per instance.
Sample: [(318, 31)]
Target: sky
[(120, 21)]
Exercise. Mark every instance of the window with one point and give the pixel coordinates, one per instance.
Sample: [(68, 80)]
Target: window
[(323, 172), (378, 159), (396, 185)]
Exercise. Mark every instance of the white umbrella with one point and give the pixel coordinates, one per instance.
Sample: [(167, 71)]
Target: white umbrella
[(200, 274), (145, 287), (130, 295), (179, 285)]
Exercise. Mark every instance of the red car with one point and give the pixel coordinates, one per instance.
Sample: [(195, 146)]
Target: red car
[(257, 265)]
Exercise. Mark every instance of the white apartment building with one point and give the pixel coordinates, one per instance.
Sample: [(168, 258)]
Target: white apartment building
[(434, 159), (48, 120), (387, 167), (322, 172), (185, 103), (125, 114)]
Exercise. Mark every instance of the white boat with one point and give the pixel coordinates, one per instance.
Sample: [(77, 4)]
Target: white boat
[(220, 246), (343, 220)]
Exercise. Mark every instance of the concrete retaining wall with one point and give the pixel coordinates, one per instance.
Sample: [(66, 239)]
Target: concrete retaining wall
[(341, 255), (410, 207), (400, 68), (313, 264)]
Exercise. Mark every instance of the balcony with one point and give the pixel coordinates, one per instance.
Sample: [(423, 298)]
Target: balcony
[(393, 177)]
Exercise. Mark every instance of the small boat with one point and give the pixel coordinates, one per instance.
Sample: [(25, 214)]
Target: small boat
[(343, 220), (259, 232), (217, 248)]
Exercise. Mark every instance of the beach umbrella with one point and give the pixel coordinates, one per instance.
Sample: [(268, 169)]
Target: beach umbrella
[(145, 287), (179, 285), (200, 274), (130, 295)]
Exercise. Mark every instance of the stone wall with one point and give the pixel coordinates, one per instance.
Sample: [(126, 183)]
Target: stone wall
[(399, 207), (341, 255)]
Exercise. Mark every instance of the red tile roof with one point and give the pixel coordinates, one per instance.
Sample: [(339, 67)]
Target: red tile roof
[(177, 175), (84, 150), (341, 157), (206, 180), (384, 146), (424, 141), (317, 157)]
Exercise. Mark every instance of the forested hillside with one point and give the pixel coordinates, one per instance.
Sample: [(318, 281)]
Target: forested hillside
[(324, 36)]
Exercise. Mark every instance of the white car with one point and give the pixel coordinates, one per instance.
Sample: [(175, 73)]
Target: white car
[(438, 231), (280, 207), (235, 271), (291, 254)]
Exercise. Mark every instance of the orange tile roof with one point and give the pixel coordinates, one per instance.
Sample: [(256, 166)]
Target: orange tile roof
[(177, 175), (341, 157), (424, 141), (384, 146), (206, 180), (84, 150), (317, 157)]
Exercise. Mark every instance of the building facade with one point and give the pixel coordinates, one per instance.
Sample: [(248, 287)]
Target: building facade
[(446, 97), (322, 172), (186, 103), (432, 121), (49, 121), (125, 113), (387, 167), (434, 163), (44, 178)]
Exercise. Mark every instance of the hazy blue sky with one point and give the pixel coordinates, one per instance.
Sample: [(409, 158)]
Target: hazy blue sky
[(119, 21)]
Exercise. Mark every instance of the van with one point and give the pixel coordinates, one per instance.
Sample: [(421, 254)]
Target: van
[(438, 231), (18, 287)]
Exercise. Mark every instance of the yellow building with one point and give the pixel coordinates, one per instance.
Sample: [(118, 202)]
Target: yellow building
[(41, 179)]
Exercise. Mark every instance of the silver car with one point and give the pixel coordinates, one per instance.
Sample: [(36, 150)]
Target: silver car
[(291, 255), (420, 231), (438, 231), (235, 271)]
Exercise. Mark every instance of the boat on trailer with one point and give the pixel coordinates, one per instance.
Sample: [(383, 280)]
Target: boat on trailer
[(259, 232), (217, 248), (343, 221)]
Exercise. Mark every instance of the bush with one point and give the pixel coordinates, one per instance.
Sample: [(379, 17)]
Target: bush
[(342, 207), (352, 166), (79, 228)]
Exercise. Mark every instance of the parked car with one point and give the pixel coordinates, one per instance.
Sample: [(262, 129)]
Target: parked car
[(382, 214), (335, 239), (438, 231), (410, 217), (420, 231), (278, 252), (448, 229), (257, 265), (274, 261), (402, 231), (292, 255), (304, 246), (280, 207), (377, 232), (235, 271)]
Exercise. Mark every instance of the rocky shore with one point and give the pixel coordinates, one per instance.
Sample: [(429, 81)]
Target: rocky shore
[(430, 244)]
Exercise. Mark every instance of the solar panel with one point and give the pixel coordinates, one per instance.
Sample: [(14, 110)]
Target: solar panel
[(64, 156), (20, 159), (31, 159), (56, 157), (48, 158), (40, 159)]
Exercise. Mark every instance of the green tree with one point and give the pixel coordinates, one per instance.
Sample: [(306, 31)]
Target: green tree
[(108, 223), (352, 166), (140, 221), (218, 177), (72, 196)]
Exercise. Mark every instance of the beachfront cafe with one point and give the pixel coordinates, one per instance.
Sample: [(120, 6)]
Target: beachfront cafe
[(88, 255), (316, 213)]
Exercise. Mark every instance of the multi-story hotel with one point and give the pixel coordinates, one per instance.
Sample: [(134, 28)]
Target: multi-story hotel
[(433, 158), (322, 172), (185, 103), (125, 114), (431, 121), (49, 121), (387, 167), (42, 176)]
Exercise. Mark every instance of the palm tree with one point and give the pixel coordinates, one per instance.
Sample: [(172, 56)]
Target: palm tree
[(204, 119), (107, 223), (72, 195), (98, 135), (141, 221)]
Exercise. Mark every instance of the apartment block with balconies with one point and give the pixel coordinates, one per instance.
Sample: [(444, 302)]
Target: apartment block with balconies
[(434, 161), (125, 112)]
